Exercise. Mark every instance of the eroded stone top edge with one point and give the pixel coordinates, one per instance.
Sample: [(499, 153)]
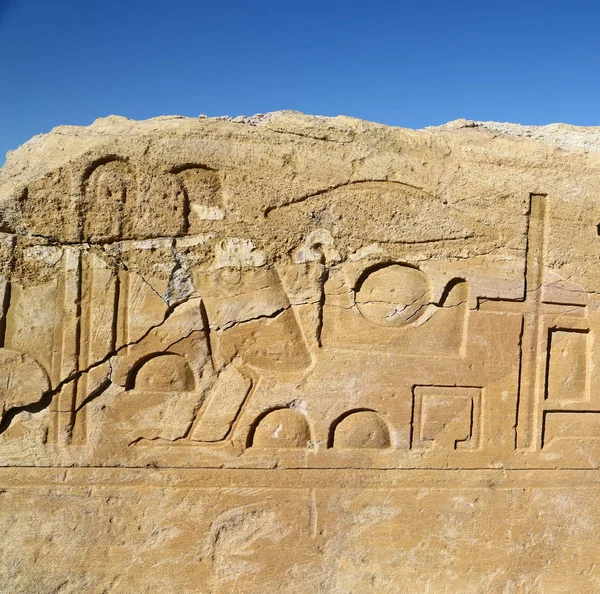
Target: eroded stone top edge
[(46, 152), (560, 134)]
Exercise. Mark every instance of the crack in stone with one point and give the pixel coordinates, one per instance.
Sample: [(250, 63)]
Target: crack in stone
[(233, 323), (310, 136), (46, 398), (176, 342), (126, 268), (272, 315)]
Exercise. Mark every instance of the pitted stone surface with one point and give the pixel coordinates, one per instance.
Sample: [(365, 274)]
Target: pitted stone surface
[(290, 353)]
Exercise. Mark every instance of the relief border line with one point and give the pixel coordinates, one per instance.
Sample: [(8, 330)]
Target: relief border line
[(343, 479)]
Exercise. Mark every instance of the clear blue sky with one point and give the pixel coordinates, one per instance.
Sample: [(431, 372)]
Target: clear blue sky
[(407, 63)]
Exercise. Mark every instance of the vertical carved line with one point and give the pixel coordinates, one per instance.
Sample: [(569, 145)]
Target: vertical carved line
[(532, 340), (76, 311), (520, 381), (6, 292), (79, 435), (122, 334), (313, 517), (57, 356), (114, 344), (66, 346), (322, 298)]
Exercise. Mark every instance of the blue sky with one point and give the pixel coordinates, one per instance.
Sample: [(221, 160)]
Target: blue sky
[(405, 63)]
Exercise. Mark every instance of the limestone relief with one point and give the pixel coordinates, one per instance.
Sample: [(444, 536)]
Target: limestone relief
[(140, 322)]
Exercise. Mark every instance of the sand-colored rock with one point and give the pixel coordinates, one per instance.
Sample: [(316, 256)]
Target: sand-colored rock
[(300, 354)]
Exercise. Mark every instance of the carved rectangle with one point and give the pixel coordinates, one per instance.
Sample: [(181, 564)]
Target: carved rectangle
[(567, 369), (447, 417), (224, 401), (571, 425)]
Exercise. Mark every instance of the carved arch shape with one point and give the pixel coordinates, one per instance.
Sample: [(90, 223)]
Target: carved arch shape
[(162, 372), (360, 429), (107, 187), (286, 428)]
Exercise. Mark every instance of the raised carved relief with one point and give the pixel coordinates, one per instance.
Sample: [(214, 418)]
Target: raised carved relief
[(568, 365), (162, 208), (201, 370), (392, 305), (251, 316), (164, 372), (204, 200), (392, 295), (170, 329), (223, 403), (281, 428), (575, 426), (23, 381), (117, 198)]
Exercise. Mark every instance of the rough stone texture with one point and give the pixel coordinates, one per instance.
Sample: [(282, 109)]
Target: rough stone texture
[(298, 354)]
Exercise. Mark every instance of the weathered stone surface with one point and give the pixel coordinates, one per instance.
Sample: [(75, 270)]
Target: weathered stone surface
[(289, 353)]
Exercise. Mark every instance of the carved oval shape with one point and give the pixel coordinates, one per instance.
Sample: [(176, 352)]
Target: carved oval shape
[(362, 429), (282, 428), (393, 295), (165, 373)]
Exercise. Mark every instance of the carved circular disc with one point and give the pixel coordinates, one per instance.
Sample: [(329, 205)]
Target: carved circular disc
[(393, 295)]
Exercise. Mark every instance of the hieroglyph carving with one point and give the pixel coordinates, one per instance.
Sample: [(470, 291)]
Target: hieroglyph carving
[(143, 319)]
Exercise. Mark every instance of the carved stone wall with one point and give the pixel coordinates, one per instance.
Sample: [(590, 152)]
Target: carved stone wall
[(293, 353)]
